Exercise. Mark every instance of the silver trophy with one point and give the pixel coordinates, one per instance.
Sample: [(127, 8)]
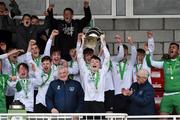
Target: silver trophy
[(92, 37)]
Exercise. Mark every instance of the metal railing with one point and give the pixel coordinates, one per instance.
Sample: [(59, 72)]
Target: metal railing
[(84, 116)]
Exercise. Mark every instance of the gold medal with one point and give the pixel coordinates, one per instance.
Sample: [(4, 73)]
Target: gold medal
[(172, 77)]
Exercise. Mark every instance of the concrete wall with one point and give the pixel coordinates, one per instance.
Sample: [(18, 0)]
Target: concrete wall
[(165, 31)]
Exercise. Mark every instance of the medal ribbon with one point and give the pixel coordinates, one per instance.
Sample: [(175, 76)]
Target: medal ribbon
[(138, 67), (37, 61), (172, 67), (71, 76), (3, 82), (13, 68), (122, 70), (44, 82), (25, 84), (96, 78)]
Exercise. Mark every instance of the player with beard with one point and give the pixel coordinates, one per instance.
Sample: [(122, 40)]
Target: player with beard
[(93, 78), (171, 68)]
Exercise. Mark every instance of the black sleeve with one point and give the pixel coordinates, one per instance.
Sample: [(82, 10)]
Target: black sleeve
[(15, 9), (86, 19)]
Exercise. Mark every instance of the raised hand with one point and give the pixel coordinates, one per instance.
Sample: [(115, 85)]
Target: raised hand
[(51, 7), (54, 33), (15, 51), (149, 34), (146, 46), (86, 3), (80, 37), (32, 42), (130, 40)]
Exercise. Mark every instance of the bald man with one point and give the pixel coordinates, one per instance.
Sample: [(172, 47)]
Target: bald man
[(141, 95)]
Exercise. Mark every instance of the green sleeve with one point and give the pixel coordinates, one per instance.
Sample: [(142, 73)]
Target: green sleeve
[(18, 86), (148, 61)]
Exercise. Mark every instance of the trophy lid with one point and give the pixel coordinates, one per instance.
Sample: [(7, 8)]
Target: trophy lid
[(94, 32)]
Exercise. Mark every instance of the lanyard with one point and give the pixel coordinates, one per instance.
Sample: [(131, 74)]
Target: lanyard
[(122, 70), (71, 64), (71, 76), (138, 67), (172, 69), (37, 61), (25, 84), (3, 82), (44, 82), (110, 65), (13, 68), (96, 78)]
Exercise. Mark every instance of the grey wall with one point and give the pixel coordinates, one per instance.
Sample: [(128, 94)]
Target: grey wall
[(165, 31)]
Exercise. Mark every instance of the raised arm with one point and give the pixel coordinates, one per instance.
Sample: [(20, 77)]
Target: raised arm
[(49, 42), (15, 8), (86, 19), (151, 62), (150, 42), (79, 48), (133, 51), (120, 54), (106, 62)]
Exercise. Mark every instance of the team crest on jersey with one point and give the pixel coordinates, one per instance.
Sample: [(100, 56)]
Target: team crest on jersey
[(140, 92), (58, 87), (71, 89)]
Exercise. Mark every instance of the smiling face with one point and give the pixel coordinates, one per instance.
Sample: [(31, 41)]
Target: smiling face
[(23, 72), (72, 52), (94, 64), (56, 57), (140, 57), (63, 73), (35, 51), (68, 15), (26, 21), (87, 57), (46, 65), (173, 51), (142, 76)]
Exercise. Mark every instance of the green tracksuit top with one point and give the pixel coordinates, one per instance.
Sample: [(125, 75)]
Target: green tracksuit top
[(172, 75), (3, 83)]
